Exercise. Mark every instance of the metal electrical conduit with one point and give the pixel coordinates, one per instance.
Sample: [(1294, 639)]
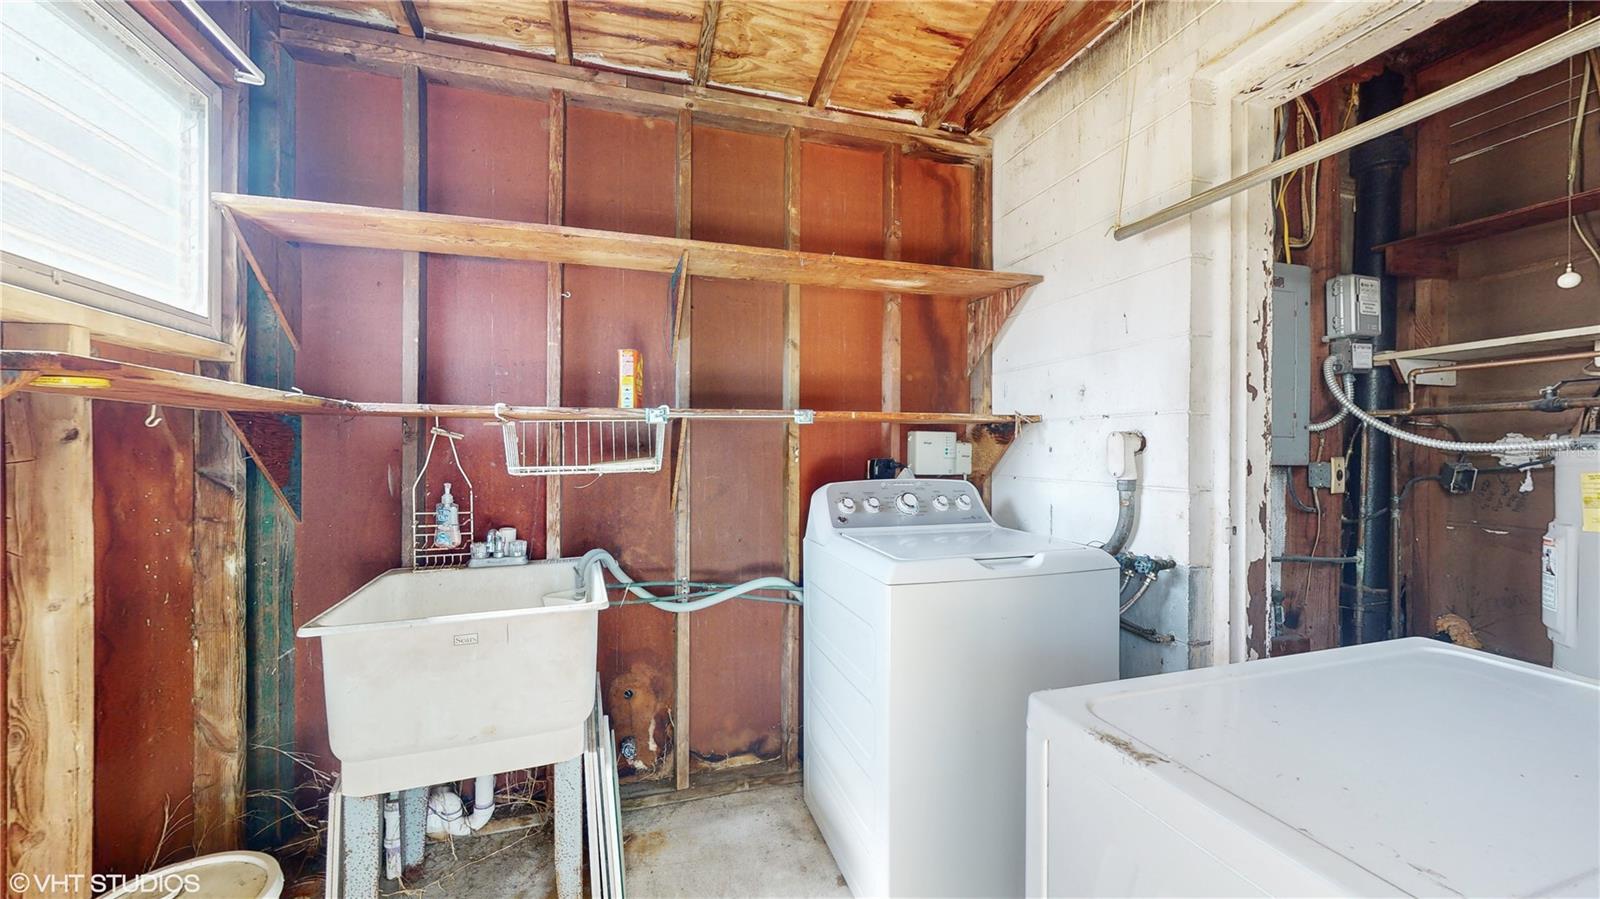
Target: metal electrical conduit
[(1569, 43), (596, 559), (1330, 378)]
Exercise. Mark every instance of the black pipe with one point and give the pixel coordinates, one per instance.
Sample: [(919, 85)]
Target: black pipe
[(1377, 166)]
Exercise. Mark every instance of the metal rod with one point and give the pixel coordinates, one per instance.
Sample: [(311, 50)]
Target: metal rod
[(245, 71), (1319, 560), (1534, 59)]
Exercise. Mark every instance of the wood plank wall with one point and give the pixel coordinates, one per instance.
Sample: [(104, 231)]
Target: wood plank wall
[(144, 663), (1477, 555), (487, 336), (348, 150)]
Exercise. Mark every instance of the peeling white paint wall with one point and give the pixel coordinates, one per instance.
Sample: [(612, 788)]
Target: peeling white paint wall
[(1158, 333)]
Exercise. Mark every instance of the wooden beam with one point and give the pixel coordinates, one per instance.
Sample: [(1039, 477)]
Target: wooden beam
[(682, 535), (889, 369), (48, 628), (276, 265), (844, 37), (980, 370), (1005, 39), (561, 27), (104, 379), (217, 603), (169, 19), (270, 535), (333, 43), (709, 18), (1074, 29), (21, 305), (335, 224), (1431, 253), (792, 480), (406, 20), (413, 293), (555, 299)]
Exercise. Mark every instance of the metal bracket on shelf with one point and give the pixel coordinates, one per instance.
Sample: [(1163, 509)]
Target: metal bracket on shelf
[(805, 416), (657, 415)]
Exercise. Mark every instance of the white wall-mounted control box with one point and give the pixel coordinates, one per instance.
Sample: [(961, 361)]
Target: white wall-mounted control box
[(936, 453), (1354, 306)]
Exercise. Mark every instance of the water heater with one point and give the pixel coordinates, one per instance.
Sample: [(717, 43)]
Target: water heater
[(1569, 563)]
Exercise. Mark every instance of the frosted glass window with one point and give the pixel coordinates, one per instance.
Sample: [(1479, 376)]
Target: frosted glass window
[(104, 156)]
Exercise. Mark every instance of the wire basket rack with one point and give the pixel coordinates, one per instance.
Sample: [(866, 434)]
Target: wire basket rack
[(426, 552), (586, 446)]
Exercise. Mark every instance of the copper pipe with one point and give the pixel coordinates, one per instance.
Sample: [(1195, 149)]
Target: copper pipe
[(1553, 404), (1508, 362)]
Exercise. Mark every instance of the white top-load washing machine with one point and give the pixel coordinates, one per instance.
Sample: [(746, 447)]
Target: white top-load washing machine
[(926, 628), (1410, 767)]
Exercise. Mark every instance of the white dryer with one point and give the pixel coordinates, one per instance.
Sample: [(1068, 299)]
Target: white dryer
[(1408, 767), (926, 627)]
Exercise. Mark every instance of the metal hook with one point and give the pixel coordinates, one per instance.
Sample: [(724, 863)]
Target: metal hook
[(154, 419)]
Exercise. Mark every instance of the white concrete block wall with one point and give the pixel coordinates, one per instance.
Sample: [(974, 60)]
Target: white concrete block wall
[(1119, 335), (1166, 332)]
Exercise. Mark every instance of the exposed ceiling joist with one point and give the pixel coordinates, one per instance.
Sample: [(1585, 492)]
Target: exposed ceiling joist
[(1006, 38), (844, 37), (708, 40), (319, 40), (561, 26), (406, 18), (1075, 28)]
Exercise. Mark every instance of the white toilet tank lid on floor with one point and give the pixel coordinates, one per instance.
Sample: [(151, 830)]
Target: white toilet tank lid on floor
[(1435, 768)]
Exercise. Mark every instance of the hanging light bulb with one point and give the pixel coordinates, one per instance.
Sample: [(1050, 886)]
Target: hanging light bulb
[(1569, 279)]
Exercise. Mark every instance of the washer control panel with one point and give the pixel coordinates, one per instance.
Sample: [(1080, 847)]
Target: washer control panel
[(904, 501)]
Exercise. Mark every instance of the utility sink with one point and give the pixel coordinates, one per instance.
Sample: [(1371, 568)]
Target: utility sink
[(440, 675)]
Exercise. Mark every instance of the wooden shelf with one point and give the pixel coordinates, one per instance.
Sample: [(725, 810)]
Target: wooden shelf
[(335, 224), (125, 382), (1431, 255), (1521, 344)]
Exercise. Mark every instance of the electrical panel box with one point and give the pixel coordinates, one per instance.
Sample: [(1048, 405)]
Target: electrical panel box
[(1354, 306), (1291, 364), (936, 453)]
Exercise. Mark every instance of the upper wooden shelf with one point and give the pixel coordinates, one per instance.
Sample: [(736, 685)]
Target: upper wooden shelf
[(1429, 255), (1522, 344), (106, 379), (339, 225)]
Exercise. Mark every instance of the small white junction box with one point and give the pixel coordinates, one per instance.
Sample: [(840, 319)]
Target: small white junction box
[(935, 453)]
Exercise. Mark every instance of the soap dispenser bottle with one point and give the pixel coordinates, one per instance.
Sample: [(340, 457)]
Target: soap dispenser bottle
[(447, 522)]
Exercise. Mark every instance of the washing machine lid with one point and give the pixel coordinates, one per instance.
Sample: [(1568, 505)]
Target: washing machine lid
[(1439, 769), (921, 544)]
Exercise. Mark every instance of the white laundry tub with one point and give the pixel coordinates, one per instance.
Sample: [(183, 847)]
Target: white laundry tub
[(440, 675)]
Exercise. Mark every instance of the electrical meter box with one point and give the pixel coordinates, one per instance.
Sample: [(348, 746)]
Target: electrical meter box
[(1354, 306), (935, 453)]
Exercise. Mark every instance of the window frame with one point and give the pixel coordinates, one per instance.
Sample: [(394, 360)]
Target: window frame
[(19, 271)]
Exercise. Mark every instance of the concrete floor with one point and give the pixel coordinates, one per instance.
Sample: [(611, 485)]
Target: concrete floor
[(759, 843)]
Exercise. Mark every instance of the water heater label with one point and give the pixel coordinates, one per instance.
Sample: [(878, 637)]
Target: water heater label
[(464, 640), (1589, 485), (1550, 576)]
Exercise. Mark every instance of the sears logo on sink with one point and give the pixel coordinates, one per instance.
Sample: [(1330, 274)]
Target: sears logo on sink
[(464, 640)]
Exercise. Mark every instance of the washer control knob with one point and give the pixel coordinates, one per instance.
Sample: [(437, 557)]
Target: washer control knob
[(846, 505), (906, 503), (963, 502), (872, 504), (941, 502)]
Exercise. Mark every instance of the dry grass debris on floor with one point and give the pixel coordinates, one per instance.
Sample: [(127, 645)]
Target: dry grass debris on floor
[(759, 843)]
